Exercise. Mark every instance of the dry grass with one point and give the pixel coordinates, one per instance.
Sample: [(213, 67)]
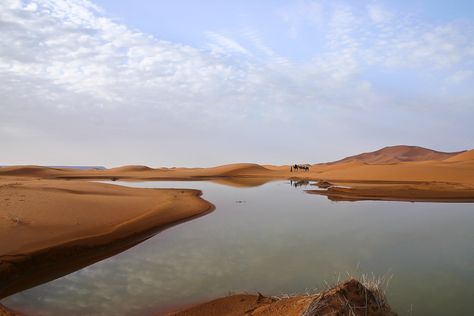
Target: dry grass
[(375, 292), (378, 285)]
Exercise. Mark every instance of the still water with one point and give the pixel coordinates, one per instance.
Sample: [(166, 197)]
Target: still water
[(277, 239)]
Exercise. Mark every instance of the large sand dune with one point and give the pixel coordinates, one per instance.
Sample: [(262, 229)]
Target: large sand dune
[(130, 168), (396, 154), (467, 156), (397, 163)]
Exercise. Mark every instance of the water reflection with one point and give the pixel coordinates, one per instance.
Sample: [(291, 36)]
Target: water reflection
[(299, 183), (277, 240)]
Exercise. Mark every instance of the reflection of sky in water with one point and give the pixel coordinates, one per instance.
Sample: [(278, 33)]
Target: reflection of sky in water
[(279, 240)]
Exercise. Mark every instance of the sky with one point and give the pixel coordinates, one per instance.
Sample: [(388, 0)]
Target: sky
[(202, 83)]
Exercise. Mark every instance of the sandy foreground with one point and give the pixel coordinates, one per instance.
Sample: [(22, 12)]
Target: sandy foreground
[(49, 228), (348, 298), (54, 221)]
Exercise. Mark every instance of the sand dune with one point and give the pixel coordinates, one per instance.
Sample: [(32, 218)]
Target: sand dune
[(130, 168), (396, 154), (398, 163), (32, 171), (458, 169), (235, 169), (467, 156), (49, 228), (66, 224), (348, 298)]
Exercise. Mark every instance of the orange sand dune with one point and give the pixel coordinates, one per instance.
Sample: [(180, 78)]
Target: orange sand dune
[(402, 172), (49, 228), (395, 154), (348, 298), (32, 171), (130, 168), (235, 169), (467, 156), (397, 163), (52, 224)]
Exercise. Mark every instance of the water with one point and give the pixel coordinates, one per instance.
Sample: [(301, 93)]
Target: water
[(277, 239)]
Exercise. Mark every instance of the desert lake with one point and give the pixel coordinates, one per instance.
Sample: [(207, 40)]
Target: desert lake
[(278, 240)]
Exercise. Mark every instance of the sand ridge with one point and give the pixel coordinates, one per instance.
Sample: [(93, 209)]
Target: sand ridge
[(396, 163), (467, 156), (396, 154)]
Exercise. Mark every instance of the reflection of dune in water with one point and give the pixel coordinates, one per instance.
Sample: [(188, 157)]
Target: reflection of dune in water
[(242, 182)]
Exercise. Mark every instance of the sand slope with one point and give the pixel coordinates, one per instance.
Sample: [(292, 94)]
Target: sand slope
[(456, 173), (348, 298), (51, 227), (396, 154), (130, 168), (397, 163), (467, 156), (33, 171)]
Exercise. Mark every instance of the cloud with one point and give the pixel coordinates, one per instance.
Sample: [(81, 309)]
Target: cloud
[(68, 46), (224, 45), (379, 14), (460, 76), (300, 14), (72, 77)]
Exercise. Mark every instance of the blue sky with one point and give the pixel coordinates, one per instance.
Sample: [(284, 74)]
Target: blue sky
[(213, 82)]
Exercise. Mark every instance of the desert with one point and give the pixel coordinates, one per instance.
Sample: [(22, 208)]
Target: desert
[(56, 221), (227, 158)]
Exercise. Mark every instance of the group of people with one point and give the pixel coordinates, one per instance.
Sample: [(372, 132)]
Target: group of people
[(299, 183), (296, 167)]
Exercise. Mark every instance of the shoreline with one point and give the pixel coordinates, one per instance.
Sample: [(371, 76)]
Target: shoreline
[(400, 192), (113, 219), (426, 180), (67, 221)]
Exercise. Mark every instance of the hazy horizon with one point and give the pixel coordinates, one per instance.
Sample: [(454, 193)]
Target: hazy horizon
[(208, 83), (263, 163)]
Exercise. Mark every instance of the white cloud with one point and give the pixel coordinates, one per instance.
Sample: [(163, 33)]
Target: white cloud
[(224, 45), (379, 14), (67, 72), (300, 14), (460, 76)]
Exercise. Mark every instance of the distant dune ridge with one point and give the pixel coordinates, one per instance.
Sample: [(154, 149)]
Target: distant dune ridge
[(394, 163), (131, 168), (396, 154), (464, 156), (30, 171)]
